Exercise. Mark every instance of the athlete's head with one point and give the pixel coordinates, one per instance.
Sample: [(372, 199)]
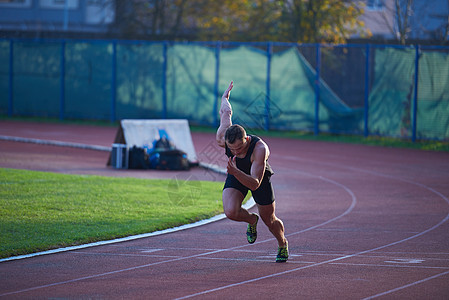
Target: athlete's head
[(236, 139), (234, 133)]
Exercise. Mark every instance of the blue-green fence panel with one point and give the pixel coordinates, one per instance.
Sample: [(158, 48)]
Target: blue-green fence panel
[(392, 92), (139, 84), (35, 88), (433, 95), (190, 82), (292, 96), (88, 80), (363, 89), (342, 89), (247, 67), (4, 76)]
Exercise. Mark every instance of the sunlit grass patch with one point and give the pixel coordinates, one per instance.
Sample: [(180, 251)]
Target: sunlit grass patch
[(41, 211)]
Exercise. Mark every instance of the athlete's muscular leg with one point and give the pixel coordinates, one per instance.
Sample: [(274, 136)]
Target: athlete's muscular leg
[(232, 206), (274, 224)]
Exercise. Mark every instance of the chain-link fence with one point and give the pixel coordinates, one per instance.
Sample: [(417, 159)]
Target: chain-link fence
[(359, 89)]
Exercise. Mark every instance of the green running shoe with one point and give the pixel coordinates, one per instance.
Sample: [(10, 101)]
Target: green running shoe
[(282, 254), (251, 232)]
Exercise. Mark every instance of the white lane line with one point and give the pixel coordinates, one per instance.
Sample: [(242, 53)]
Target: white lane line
[(151, 250), (414, 253), (381, 253), (406, 286), (391, 266), (354, 200), (267, 259), (325, 253), (123, 254)]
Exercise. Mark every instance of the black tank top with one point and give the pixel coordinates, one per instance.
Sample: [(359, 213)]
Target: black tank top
[(244, 163)]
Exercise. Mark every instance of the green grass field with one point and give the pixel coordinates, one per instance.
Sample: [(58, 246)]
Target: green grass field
[(41, 211)]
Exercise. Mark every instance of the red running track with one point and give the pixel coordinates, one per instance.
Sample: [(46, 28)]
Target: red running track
[(362, 222)]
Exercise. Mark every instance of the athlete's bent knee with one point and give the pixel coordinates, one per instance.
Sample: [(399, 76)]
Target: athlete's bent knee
[(232, 214)]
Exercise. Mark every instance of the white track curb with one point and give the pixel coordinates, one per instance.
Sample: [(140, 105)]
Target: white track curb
[(249, 204), (54, 143)]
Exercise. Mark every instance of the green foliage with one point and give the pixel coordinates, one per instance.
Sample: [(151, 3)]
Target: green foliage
[(239, 20), (320, 21), (304, 21), (40, 211)]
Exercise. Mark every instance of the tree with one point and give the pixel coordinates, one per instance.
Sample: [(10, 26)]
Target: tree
[(396, 15), (217, 20), (408, 20), (155, 19), (331, 21), (237, 20), (403, 11), (313, 21)]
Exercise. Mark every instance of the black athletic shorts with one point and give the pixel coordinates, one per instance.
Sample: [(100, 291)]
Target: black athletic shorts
[(264, 195)]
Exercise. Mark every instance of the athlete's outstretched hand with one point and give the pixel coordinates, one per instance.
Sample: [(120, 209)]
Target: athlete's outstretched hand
[(226, 108), (225, 116), (228, 91)]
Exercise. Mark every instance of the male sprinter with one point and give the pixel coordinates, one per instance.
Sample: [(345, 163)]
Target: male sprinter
[(248, 169)]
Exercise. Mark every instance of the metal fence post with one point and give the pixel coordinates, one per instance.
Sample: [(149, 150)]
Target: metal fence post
[(217, 78), (11, 75), (415, 97), (317, 89), (267, 96), (62, 82), (367, 81), (113, 81), (164, 82)]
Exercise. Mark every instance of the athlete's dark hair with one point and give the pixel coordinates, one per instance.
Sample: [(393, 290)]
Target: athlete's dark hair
[(233, 133)]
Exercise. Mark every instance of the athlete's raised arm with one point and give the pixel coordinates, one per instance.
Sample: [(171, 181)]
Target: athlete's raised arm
[(225, 116)]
